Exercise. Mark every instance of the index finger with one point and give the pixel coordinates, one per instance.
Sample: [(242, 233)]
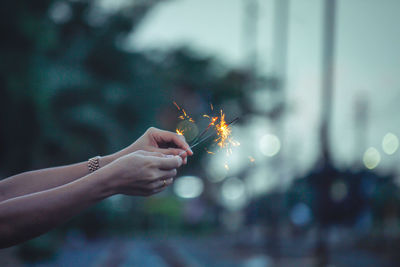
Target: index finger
[(178, 140)]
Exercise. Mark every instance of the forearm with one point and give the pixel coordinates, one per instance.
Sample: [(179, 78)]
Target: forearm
[(40, 180), (28, 216)]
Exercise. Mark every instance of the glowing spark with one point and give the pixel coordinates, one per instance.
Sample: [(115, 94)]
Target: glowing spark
[(224, 139), (184, 116), (211, 106), (176, 105), (209, 152), (226, 166)]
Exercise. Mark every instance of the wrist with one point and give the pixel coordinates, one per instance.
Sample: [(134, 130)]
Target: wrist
[(105, 160), (105, 182)]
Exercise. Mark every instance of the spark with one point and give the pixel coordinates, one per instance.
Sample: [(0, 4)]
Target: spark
[(251, 159), (221, 135), (176, 105), (209, 152), (226, 166), (184, 114), (224, 139)]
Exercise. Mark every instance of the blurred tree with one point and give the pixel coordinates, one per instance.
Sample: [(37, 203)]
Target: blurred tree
[(70, 88)]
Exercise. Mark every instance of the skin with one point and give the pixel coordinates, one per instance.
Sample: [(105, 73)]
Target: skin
[(35, 202)]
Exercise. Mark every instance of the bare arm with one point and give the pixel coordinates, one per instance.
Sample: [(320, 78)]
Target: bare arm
[(44, 179), (138, 173), (28, 216), (153, 139)]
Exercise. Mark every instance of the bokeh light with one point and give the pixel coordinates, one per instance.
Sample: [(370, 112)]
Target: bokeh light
[(260, 181), (269, 145), (339, 191), (300, 214), (233, 193), (371, 158), (390, 143), (188, 186)]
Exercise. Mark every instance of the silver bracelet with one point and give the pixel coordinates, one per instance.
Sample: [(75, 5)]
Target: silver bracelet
[(94, 164)]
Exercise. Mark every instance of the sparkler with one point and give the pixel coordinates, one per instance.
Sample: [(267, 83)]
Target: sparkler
[(222, 132)]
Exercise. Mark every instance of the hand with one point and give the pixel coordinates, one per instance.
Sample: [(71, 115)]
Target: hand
[(143, 173), (156, 140)]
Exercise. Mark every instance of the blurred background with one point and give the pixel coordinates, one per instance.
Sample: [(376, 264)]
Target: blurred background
[(315, 181)]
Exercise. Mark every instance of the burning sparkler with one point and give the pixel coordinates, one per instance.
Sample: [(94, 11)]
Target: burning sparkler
[(222, 132)]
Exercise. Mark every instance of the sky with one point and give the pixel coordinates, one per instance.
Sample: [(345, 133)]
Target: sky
[(366, 63)]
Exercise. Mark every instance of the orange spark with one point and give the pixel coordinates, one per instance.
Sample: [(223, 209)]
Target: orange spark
[(224, 139), (184, 115), (209, 152), (180, 132), (176, 105)]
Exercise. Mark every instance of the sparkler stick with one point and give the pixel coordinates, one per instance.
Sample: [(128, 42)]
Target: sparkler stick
[(213, 120)]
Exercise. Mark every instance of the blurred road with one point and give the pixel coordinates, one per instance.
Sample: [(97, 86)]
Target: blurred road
[(194, 252)]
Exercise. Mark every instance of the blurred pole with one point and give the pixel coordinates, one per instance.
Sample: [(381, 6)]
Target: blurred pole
[(281, 41), (361, 124), (328, 73), (280, 51), (327, 77), (250, 29), (279, 60)]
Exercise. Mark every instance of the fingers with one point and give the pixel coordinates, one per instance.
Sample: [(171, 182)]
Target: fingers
[(165, 137), (160, 184), (168, 163), (173, 151), (151, 153)]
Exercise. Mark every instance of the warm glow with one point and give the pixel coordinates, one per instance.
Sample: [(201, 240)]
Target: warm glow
[(224, 139), (180, 132)]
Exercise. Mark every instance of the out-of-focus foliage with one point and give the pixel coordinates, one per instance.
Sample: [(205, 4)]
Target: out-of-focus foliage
[(70, 88)]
